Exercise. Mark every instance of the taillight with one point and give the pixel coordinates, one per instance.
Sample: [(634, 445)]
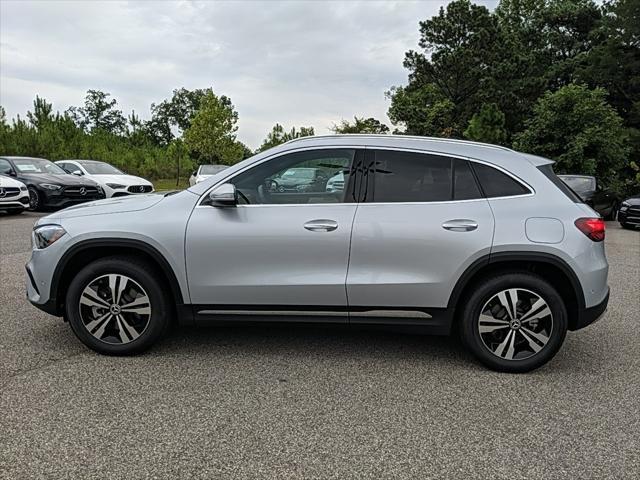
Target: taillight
[(592, 228)]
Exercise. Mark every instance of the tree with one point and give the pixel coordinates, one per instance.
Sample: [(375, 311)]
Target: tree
[(577, 128), (99, 113), (211, 135), (448, 75), (487, 125), (361, 125), (42, 113), (278, 135)]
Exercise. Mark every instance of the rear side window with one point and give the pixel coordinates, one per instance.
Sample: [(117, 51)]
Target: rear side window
[(548, 172), (411, 177), (465, 186), (494, 183)]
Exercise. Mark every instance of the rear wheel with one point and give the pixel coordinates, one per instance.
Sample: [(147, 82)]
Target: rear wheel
[(116, 306), (514, 322)]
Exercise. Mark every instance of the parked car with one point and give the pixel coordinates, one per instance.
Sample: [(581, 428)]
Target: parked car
[(629, 213), (336, 183), (48, 185), (300, 179), (114, 182), (204, 172), (594, 193), (14, 197), (436, 235)]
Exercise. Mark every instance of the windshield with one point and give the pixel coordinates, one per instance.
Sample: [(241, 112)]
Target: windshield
[(299, 173), (579, 184), (100, 168), (37, 165), (211, 169)]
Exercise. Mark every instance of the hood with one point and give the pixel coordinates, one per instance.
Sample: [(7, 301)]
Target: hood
[(131, 203), (10, 182), (121, 179), (633, 200), (65, 180)]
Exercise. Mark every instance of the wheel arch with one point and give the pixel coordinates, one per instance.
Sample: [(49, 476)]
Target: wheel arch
[(550, 267), (87, 251)]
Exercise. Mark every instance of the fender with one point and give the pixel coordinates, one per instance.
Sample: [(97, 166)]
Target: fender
[(115, 242), (517, 256)]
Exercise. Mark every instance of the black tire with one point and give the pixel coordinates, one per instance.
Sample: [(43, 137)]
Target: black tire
[(485, 292), (35, 199), (142, 274), (613, 214)]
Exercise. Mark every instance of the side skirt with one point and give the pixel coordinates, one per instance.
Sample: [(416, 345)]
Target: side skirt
[(429, 321)]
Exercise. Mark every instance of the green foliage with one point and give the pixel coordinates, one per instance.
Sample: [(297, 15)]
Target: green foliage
[(98, 113), (211, 136), (278, 135), (576, 127), (361, 125), (487, 125)]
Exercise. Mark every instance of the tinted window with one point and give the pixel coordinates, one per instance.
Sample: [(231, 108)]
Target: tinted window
[(65, 166), (564, 188), (315, 176), (465, 186), (497, 184), (100, 168), (5, 167), (411, 177)]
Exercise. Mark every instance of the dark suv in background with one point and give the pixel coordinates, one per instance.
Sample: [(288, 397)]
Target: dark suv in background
[(50, 187), (594, 193)]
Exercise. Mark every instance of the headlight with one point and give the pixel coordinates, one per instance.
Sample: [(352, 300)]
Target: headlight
[(23, 188), (115, 186), (47, 235), (50, 186)]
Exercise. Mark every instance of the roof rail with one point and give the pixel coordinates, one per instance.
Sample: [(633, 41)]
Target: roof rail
[(414, 137)]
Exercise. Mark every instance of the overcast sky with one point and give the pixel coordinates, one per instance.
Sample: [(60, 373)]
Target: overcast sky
[(302, 63)]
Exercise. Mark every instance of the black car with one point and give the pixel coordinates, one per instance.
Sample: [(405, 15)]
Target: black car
[(629, 213), (594, 193), (49, 186), (300, 179)]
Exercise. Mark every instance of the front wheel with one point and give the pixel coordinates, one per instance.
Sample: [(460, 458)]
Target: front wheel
[(514, 322), (35, 199), (116, 306)]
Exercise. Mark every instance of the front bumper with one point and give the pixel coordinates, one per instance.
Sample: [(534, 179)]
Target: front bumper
[(590, 315), (631, 216)]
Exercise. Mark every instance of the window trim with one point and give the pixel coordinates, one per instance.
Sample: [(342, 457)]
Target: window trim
[(357, 148), (370, 158)]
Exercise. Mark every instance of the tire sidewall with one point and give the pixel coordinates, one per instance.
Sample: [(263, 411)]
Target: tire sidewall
[(140, 273), (34, 192), (484, 291)]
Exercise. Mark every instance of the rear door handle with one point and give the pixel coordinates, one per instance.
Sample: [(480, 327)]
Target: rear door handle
[(321, 225), (460, 225)]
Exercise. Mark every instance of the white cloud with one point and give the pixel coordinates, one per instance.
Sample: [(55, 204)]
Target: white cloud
[(296, 62)]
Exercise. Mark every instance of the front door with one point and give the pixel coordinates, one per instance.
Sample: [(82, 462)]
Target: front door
[(284, 249), (422, 223)]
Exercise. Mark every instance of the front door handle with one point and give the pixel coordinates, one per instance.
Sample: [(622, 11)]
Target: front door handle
[(460, 225), (321, 225)]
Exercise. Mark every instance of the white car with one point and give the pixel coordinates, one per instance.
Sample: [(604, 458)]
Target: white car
[(114, 182), (14, 196), (204, 172)]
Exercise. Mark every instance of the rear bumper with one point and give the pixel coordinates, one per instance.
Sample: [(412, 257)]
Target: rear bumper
[(590, 315)]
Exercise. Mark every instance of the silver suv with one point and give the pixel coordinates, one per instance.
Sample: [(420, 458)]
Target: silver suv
[(436, 235)]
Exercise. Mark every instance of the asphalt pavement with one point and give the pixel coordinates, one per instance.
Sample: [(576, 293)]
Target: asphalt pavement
[(311, 402)]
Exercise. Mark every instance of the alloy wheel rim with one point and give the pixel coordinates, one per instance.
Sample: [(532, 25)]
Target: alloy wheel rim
[(115, 309), (33, 199), (515, 324)]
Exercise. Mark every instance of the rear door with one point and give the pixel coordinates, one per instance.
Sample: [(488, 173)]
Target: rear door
[(422, 222)]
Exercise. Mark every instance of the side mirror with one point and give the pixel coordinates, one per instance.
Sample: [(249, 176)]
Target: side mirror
[(13, 173), (224, 196), (77, 173), (194, 173)]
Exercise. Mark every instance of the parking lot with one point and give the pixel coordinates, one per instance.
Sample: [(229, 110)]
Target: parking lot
[(314, 403)]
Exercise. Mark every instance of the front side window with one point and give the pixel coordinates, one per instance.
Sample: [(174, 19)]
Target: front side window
[(314, 176), (411, 177)]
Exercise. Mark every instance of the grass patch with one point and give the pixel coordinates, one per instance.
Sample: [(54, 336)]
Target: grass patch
[(165, 184)]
